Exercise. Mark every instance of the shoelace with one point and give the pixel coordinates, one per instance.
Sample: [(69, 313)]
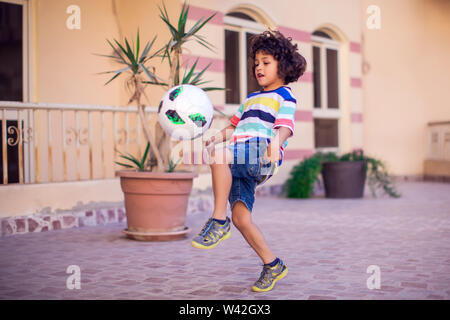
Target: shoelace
[(265, 276), (207, 227)]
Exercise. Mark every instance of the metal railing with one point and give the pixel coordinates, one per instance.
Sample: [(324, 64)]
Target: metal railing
[(46, 142), (439, 140)]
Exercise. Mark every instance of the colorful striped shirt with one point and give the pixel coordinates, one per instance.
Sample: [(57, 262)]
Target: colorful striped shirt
[(262, 112)]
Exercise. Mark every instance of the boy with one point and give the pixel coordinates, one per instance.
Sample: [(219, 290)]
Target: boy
[(259, 132)]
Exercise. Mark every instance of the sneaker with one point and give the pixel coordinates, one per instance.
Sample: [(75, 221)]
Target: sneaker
[(269, 276), (211, 234)]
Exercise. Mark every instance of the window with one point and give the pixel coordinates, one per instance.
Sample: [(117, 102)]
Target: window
[(316, 78), (326, 94), (13, 83), (332, 79), (325, 133), (232, 67), (11, 53), (239, 28)]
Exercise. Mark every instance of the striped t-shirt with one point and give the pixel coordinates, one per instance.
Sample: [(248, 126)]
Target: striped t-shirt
[(262, 112)]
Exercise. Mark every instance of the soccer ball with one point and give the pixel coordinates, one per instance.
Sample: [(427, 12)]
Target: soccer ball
[(185, 112)]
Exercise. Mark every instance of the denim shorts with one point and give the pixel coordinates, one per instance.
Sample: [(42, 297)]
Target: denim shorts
[(249, 169)]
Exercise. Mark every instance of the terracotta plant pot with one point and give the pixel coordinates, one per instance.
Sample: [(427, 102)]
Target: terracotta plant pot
[(156, 204), (344, 179)]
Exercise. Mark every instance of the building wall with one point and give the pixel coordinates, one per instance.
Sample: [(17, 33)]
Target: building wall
[(66, 66), (406, 82)]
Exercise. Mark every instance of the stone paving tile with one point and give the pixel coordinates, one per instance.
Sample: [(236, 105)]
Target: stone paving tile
[(327, 245)]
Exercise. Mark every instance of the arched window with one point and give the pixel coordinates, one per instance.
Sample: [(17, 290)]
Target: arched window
[(239, 28), (326, 90)]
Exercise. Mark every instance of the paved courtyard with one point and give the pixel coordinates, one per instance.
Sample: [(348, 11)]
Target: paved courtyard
[(327, 245)]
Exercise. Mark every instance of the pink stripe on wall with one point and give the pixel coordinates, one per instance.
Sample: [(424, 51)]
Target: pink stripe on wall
[(357, 117), (306, 77), (217, 65), (196, 13), (297, 154), (356, 82), (295, 34), (304, 116), (355, 47)]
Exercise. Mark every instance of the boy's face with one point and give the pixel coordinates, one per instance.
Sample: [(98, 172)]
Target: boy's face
[(266, 71)]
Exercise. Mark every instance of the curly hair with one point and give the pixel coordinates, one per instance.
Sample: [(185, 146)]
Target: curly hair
[(291, 64)]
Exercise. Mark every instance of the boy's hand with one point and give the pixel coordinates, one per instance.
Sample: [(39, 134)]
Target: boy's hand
[(272, 153), (209, 144), (206, 151)]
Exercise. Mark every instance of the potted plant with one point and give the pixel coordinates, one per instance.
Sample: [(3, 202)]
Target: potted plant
[(156, 195), (344, 176)]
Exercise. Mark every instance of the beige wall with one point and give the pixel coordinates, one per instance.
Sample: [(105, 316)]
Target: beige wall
[(26, 199), (407, 83), (66, 65)]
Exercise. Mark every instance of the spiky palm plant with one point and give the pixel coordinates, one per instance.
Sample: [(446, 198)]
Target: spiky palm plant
[(134, 63), (173, 53)]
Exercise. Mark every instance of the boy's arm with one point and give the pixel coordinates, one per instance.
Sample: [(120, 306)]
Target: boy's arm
[(224, 135), (272, 153)]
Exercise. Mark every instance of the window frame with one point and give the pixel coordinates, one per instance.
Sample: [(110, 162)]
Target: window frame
[(26, 63), (324, 112), (242, 27), (28, 121)]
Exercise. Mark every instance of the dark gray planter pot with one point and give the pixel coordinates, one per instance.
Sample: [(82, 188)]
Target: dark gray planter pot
[(344, 179)]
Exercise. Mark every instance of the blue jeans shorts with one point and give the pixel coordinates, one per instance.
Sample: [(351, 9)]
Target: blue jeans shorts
[(248, 170)]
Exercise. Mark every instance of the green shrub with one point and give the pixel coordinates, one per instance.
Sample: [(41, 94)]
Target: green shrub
[(303, 176)]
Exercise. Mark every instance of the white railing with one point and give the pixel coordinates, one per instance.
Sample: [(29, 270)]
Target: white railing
[(45, 142), (439, 140)]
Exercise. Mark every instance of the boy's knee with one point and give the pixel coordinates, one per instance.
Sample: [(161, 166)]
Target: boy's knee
[(240, 219), (237, 221)]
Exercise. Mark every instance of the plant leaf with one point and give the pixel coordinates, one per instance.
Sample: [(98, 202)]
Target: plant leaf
[(155, 83), (145, 155), (183, 18), (127, 54), (191, 72), (165, 17), (112, 78), (137, 46), (146, 50), (200, 74), (119, 54), (204, 43), (212, 89), (149, 74), (198, 26), (123, 164), (115, 71), (131, 158)]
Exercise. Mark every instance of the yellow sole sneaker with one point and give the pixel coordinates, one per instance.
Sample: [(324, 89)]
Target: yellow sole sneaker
[(200, 246), (279, 277)]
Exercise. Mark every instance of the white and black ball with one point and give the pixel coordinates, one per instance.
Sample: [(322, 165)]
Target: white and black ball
[(185, 112)]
